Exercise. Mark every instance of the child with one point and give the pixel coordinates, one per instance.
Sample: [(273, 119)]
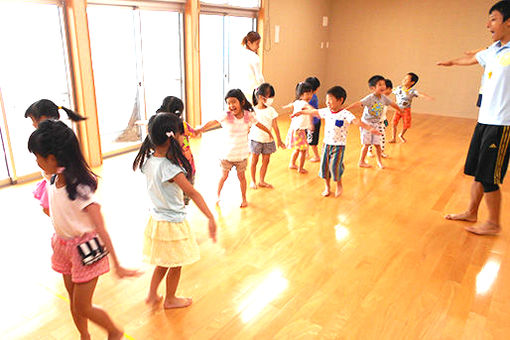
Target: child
[(489, 151), (404, 95), (78, 252), (174, 105), (313, 134), (336, 126), (384, 122), (236, 123), (296, 136), (40, 111), (373, 108), (260, 143), (169, 242)]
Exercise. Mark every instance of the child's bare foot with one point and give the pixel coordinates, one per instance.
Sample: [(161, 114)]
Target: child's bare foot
[(383, 155), (380, 165), (338, 192), (244, 204), (117, 335), (314, 159), (153, 300), (392, 141), (302, 171), (486, 228), (465, 216), (253, 185), (177, 302), (364, 165), (292, 167), (326, 192), (401, 137), (265, 185)]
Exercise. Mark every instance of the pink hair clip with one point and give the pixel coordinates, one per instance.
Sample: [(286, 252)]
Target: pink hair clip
[(60, 169), (170, 134)]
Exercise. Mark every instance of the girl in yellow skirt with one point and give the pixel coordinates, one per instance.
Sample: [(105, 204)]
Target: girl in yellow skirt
[(169, 242)]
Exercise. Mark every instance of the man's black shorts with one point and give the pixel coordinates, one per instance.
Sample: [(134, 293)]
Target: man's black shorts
[(488, 154)]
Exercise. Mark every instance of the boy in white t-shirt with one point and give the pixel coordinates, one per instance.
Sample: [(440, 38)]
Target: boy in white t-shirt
[(336, 123)]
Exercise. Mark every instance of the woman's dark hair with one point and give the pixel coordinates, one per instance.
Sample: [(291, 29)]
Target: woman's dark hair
[(301, 88), (173, 105), (239, 95), (47, 108), (314, 81), (265, 90), (160, 125), (252, 36), (53, 137)]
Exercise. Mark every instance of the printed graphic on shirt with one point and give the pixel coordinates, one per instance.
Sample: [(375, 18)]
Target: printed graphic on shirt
[(376, 109), (504, 59)]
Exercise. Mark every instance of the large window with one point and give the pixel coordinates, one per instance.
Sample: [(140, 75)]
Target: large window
[(234, 3), (137, 61), (33, 66), (220, 43)]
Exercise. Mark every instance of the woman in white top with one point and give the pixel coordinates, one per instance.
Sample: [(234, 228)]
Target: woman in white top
[(248, 75)]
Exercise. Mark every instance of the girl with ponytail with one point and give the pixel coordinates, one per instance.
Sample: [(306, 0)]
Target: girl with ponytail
[(169, 243)]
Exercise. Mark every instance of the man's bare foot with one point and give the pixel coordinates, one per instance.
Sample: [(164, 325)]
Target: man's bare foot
[(338, 192), (392, 141), (402, 139), (315, 159), (380, 165), (265, 185), (153, 300), (177, 302), (253, 185), (117, 335), (465, 216), (364, 165), (292, 167), (244, 204), (326, 192), (486, 228), (303, 171), (383, 155)]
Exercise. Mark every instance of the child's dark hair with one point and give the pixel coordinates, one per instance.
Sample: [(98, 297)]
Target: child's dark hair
[(265, 90), (239, 95), (301, 88), (173, 105), (53, 137), (314, 81), (337, 92), (163, 127), (252, 36), (374, 80), (414, 77), (389, 84), (47, 108), (502, 7)]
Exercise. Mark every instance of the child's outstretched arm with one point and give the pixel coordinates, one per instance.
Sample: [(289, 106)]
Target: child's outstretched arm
[(396, 107), (466, 60), (288, 106), (94, 212), (365, 126), (265, 129), (281, 144), (354, 105), (310, 112), (192, 193), (210, 124), (424, 95)]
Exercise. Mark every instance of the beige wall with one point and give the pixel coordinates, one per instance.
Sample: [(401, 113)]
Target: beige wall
[(298, 54), (393, 37)]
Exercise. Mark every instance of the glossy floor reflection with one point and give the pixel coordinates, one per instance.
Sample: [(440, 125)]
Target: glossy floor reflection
[(380, 262)]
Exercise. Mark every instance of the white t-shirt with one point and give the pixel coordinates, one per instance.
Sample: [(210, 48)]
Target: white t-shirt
[(303, 121), (264, 117), (247, 74), (67, 216), (404, 97), (336, 125), (495, 108), (235, 143)]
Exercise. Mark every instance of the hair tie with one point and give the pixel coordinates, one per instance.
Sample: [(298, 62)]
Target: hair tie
[(60, 169), (170, 134), (60, 107)]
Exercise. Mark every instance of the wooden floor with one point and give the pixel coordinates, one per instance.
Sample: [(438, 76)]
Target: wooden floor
[(380, 262)]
